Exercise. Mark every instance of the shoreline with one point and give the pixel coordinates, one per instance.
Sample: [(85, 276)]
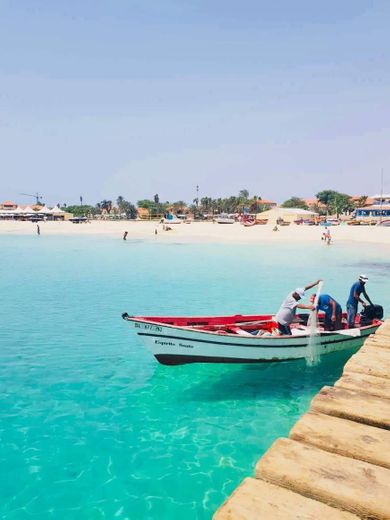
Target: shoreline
[(199, 232)]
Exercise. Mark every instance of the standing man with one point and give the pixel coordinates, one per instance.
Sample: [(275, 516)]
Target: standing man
[(286, 314), (357, 289), (332, 310)]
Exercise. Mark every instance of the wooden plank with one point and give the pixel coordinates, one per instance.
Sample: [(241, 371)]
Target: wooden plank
[(353, 405), (374, 342), (259, 500), (384, 328), (376, 351), (347, 438), (368, 363), (381, 334), (356, 486), (373, 385)]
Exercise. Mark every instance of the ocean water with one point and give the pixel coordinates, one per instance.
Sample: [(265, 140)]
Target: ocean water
[(91, 426)]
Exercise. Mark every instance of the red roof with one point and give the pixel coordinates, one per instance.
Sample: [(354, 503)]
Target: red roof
[(368, 202), (9, 203), (265, 201), (312, 202)]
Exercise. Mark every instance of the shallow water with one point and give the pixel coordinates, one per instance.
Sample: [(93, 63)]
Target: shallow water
[(91, 426)]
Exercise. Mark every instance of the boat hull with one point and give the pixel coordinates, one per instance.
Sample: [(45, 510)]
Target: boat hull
[(176, 346)]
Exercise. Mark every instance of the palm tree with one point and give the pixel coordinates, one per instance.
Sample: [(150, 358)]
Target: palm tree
[(244, 194), (105, 204)]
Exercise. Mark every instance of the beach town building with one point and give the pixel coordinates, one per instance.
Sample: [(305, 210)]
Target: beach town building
[(268, 203), (11, 211), (314, 204), (8, 205), (378, 210), (275, 215), (362, 200), (143, 213)]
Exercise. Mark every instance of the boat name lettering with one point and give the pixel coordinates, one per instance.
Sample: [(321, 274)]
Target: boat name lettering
[(164, 343), (185, 346), (146, 326)]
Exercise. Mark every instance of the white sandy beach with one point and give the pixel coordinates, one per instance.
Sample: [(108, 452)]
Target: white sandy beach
[(200, 231)]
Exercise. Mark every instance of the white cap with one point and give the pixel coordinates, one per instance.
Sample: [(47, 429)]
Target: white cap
[(363, 278), (300, 292)]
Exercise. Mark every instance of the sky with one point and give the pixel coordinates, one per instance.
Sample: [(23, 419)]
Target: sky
[(138, 97)]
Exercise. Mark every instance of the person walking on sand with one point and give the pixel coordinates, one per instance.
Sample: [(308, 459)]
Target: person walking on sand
[(286, 314), (125, 235), (357, 289), (332, 310), (38, 230)]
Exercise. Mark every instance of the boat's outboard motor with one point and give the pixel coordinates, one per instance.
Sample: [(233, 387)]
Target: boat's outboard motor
[(370, 313)]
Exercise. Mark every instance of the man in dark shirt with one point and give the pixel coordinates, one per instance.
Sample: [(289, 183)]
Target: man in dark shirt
[(332, 310), (357, 289)]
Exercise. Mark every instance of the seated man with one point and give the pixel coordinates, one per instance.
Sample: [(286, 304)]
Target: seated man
[(286, 314), (332, 310)]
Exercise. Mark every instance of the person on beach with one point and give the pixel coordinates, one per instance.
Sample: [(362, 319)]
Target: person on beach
[(326, 236), (125, 235), (38, 230), (332, 310), (286, 314), (357, 289)]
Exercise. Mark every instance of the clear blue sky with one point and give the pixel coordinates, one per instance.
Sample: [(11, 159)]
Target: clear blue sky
[(137, 97)]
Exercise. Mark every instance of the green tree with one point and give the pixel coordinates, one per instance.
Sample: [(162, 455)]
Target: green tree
[(125, 207), (335, 201), (295, 202), (129, 209), (105, 204), (340, 203), (80, 211)]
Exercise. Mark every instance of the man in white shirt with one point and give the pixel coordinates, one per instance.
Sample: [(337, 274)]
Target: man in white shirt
[(286, 314)]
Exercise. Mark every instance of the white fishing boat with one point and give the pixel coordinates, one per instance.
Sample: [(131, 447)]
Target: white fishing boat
[(241, 339), (224, 218)]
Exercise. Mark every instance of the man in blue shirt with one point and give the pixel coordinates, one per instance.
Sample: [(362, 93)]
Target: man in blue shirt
[(332, 310), (357, 289)]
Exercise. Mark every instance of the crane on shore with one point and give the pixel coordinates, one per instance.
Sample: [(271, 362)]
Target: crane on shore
[(36, 196)]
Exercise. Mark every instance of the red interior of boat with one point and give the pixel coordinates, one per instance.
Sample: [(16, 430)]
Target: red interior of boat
[(237, 324)]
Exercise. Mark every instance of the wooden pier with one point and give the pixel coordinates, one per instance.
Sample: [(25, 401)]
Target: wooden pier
[(335, 464)]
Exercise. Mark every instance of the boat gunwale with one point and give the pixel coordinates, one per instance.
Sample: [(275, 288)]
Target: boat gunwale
[(145, 320)]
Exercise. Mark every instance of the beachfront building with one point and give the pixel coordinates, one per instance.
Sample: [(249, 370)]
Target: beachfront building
[(378, 210), (12, 211), (315, 205), (362, 201), (8, 205), (268, 204), (286, 215), (143, 213)]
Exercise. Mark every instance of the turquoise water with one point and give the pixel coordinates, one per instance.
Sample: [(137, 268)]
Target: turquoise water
[(91, 426)]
